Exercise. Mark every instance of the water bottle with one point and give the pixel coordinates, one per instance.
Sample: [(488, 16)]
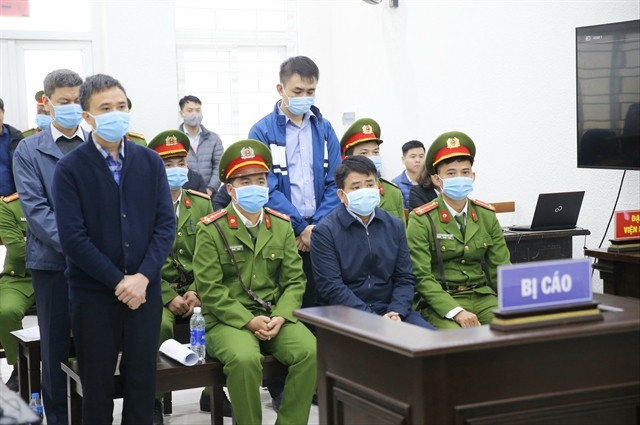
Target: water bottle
[(35, 404), (196, 325)]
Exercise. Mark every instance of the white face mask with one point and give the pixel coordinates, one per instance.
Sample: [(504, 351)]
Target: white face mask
[(193, 120)]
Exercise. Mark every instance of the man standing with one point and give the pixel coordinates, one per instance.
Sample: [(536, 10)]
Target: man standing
[(413, 160), (42, 116), (250, 280), (117, 225), (363, 138), (206, 146), (450, 238), (33, 165), (9, 139), (360, 255), (16, 291)]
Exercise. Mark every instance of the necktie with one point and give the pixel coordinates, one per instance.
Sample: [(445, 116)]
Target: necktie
[(461, 221)]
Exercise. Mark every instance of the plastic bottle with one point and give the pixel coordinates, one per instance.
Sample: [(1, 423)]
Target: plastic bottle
[(35, 404), (197, 333)]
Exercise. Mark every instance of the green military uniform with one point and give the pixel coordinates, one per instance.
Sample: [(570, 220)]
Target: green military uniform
[(391, 199), (269, 264), (368, 130), (136, 138), (177, 271), (466, 282), (30, 132), (462, 251), (16, 291)]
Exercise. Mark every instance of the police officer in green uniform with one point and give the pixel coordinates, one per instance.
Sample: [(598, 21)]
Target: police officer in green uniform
[(16, 291), (449, 239), (363, 138), (178, 290), (136, 138), (43, 119), (250, 280)]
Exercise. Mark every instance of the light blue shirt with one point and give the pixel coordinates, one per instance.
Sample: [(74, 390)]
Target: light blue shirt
[(299, 151)]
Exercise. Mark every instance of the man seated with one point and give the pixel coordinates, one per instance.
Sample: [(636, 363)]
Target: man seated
[(413, 161), (250, 280), (16, 290), (451, 237), (359, 251), (363, 138)]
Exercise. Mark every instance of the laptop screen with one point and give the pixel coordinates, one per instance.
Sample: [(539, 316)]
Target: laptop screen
[(555, 211)]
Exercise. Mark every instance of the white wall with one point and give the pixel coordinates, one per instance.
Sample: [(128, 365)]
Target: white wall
[(503, 72)]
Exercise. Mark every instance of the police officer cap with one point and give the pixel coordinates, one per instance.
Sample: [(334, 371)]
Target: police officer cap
[(449, 145), (244, 158), (170, 144), (362, 130), (39, 96)]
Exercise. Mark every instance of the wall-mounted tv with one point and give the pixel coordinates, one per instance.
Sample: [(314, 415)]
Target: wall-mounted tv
[(608, 95)]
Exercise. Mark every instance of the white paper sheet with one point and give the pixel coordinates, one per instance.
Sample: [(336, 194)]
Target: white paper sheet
[(28, 334), (178, 352)]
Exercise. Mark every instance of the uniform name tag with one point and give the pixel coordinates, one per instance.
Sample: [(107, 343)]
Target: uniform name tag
[(236, 248), (446, 236)]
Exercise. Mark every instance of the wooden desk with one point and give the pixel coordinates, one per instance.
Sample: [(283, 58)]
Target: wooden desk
[(372, 370), (619, 272), (542, 244)]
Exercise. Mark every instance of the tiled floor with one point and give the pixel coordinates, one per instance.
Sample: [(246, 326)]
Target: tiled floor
[(186, 410)]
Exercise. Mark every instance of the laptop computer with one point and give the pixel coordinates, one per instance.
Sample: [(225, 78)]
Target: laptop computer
[(555, 211)]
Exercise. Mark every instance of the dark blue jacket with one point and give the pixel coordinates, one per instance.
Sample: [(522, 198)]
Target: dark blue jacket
[(364, 268), (271, 130), (109, 230)]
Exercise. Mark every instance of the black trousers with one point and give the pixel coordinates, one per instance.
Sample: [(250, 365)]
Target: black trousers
[(100, 332), (52, 298)]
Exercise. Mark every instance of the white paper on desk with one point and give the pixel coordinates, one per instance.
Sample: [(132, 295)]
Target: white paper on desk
[(28, 334), (178, 352)]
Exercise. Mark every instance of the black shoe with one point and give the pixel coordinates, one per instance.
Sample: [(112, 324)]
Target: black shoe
[(314, 400), (158, 418), (276, 401), (12, 383), (205, 404)]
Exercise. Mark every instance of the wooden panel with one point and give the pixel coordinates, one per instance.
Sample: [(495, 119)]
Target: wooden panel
[(503, 207)]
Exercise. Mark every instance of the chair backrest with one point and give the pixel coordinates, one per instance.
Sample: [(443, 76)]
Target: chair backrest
[(503, 207)]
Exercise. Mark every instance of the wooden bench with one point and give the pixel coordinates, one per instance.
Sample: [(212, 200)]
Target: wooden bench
[(170, 376)]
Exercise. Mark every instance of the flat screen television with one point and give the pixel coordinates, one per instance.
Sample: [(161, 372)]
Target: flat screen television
[(608, 95)]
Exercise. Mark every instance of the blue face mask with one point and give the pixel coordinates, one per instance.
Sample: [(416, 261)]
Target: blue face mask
[(68, 116), (177, 176), (43, 121), (112, 126), (252, 198), (299, 105), (363, 201), (457, 188), (377, 161)]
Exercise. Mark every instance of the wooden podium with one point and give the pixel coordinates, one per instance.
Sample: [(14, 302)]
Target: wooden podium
[(375, 371)]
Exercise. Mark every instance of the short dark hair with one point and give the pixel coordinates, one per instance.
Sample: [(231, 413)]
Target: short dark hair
[(96, 84), (412, 144), (301, 65), (354, 164), (2, 104), (60, 78), (188, 98), (453, 159)]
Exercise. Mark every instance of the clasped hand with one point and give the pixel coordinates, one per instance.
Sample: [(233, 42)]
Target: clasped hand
[(182, 305), (132, 290), (264, 328)]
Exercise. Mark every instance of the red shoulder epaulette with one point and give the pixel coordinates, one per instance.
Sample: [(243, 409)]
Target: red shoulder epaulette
[(483, 204), (208, 219), (278, 214), (200, 194), (426, 208), (11, 198), (138, 135)]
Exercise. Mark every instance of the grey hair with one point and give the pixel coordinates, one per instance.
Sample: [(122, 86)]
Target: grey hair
[(60, 78), (96, 84)]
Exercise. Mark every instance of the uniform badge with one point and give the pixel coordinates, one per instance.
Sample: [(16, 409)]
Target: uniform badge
[(444, 236), (367, 129), (444, 216), (171, 141), (236, 248), (233, 221), (453, 142), (247, 153), (187, 202)]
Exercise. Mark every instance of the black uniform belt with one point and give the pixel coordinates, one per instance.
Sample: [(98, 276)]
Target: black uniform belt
[(460, 288)]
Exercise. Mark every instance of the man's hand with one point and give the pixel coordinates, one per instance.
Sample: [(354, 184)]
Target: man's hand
[(273, 327), (466, 319), (191, 298), (393, 316), (132, 290), (258, 323), (305, 237), (178, 306)]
